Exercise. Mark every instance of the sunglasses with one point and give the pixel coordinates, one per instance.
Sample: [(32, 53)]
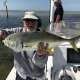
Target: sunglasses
[(32, 20)]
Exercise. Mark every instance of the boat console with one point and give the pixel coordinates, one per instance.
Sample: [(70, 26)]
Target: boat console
[(66, 63)]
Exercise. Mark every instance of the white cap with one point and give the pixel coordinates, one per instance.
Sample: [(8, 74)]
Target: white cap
[(30, 15)]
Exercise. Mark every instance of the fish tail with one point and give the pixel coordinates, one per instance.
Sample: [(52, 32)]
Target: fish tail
[(73, 43)]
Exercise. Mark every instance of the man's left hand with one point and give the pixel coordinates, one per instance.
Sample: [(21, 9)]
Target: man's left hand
[(42, 48)]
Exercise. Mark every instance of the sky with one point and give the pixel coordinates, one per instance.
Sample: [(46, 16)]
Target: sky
[(68, 5), (71, 5), (26, 4)]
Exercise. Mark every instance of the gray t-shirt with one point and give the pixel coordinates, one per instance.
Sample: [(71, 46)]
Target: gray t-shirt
[(29, 64)]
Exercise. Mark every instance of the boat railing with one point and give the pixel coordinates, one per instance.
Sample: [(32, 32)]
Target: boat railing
[(13, 29)]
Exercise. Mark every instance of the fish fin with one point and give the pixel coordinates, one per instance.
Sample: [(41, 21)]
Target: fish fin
[(72, 42)]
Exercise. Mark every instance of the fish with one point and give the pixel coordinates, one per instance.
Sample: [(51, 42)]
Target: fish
[(32, 39)]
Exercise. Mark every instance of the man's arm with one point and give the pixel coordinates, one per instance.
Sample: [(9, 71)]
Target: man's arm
[(5, 32)]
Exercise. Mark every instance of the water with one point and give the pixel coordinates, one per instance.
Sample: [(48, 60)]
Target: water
[(15, 18), (13, 21)]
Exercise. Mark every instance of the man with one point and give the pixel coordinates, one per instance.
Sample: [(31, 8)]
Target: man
[(30, 65), (58, 15)]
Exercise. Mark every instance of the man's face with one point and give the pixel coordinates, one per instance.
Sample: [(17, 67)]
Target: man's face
[(30, 24)]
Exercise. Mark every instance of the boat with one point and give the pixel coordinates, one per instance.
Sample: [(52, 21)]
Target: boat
[(61, 64)]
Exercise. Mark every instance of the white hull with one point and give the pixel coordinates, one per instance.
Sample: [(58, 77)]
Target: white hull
[(12, 74)]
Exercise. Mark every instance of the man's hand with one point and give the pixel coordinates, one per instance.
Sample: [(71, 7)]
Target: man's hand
[(3, 34), (42, 48)]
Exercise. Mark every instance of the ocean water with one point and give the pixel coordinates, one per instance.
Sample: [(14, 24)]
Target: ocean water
[(15, 18), (72, 20)]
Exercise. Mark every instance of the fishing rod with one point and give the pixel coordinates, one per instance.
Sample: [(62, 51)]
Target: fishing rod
[(7, 15), (5, 4)]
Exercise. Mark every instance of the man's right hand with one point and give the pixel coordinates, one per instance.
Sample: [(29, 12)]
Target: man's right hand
[(2, 35)]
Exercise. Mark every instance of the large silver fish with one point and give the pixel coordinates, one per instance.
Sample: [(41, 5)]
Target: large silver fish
[(31, 39)]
